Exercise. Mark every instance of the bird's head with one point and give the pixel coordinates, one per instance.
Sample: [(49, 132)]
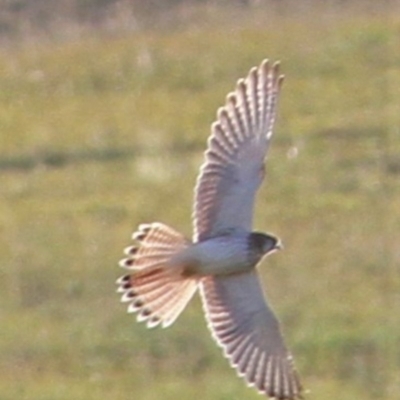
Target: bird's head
[(264, 244)]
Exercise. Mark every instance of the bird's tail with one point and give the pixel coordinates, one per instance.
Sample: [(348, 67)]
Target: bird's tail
[(155, 288)]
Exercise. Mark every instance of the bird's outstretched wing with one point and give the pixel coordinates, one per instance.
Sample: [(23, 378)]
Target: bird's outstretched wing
[(248, 331), (234, 161)]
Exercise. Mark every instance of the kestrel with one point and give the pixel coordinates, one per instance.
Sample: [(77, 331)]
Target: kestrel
[(166, 269)]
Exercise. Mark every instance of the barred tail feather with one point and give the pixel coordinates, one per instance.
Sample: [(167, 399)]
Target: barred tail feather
[(155, 289)]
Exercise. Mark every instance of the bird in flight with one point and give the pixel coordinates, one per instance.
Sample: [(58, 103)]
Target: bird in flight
[(166, 269)]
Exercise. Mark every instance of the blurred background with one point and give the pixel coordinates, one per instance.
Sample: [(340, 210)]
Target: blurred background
[(105, 108)]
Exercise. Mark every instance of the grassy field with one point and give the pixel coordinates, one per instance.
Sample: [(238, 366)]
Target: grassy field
[(102, 133)]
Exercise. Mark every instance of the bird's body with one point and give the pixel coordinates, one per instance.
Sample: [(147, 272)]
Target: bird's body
[(230, 252), (166, 269)]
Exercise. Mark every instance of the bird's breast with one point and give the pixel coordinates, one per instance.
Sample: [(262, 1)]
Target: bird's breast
[(217, 256)]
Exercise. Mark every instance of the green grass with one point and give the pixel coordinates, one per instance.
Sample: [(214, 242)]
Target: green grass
[(63, 225)]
